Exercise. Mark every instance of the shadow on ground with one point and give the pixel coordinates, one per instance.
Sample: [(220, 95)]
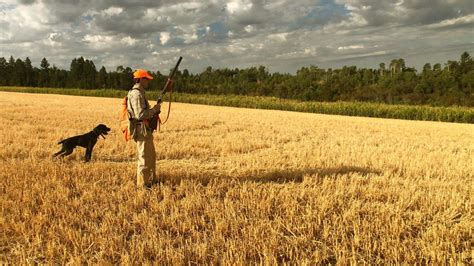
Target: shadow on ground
[(297, 175), (278, 176)]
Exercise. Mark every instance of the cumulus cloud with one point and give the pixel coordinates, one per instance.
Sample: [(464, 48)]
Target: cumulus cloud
[(350, 47), (406, 12), (283, 35), (464, 21)]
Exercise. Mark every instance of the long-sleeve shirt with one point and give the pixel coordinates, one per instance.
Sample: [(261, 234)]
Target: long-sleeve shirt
[(138, 105)]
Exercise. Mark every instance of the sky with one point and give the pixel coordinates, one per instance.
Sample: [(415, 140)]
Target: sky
[(282, 35)]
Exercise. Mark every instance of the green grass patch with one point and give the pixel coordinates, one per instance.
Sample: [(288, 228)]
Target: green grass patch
[(408, 112)]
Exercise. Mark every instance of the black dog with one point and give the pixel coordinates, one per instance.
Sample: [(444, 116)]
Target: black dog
[(87, 141)]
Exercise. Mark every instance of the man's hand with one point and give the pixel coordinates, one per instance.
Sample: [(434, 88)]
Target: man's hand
[(157, 108)]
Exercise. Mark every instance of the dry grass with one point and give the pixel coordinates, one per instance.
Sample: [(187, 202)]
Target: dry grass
[(240, 186)]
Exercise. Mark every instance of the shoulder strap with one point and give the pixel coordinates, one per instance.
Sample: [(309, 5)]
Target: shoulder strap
[(131, 106)]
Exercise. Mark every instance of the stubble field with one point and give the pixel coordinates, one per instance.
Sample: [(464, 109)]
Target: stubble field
[(240, 186)]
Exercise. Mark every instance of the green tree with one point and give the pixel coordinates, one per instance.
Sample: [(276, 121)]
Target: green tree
[(3, 72), (44, 75), (102, 78), (382, 69), (427, 68), (30, 79)]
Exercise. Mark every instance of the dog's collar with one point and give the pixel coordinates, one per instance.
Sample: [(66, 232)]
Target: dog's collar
[(96, 134)]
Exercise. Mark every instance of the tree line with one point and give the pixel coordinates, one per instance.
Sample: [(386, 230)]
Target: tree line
[(441, 85)]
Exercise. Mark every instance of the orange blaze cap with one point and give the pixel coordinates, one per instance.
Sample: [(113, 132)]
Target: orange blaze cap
[(141, 73)]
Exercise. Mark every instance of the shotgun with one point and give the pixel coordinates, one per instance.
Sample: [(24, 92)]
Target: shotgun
[(155, 119)]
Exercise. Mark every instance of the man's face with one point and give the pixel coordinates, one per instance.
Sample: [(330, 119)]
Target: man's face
[(144, 83)]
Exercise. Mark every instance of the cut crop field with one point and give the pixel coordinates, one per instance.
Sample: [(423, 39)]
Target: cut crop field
[(239, 186)]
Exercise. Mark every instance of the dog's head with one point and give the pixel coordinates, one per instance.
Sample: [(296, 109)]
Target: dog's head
[(101, 130)]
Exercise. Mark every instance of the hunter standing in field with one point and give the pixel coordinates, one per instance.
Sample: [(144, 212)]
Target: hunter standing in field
[(141, 113)]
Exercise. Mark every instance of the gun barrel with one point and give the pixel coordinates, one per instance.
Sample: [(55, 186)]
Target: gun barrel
[(165, 88)]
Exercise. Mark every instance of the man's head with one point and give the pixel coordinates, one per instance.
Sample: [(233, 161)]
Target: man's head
[(142, 77)]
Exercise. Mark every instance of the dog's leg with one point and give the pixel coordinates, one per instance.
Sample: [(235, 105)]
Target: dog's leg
[(67, 153), (59, 152), (89, 149), (89, 153)]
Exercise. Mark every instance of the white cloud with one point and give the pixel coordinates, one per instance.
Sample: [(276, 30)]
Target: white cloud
[(249, 28), (128, 41), (310, 51), (26, 24), (54, 40), (98, 41), (351, 47), (238, 6), (190, 38), (112, 11), (279, 36), (282, 34), (93, 39), (164, 37), (464, 20)]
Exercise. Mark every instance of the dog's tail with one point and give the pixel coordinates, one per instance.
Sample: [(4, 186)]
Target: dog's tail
[(61, 141)]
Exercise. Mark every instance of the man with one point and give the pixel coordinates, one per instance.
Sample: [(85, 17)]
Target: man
[(139, 110)]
